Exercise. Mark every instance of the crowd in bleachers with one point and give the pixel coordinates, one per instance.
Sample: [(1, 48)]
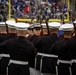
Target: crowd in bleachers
[(3, 10), (29, 9), (55, 9)]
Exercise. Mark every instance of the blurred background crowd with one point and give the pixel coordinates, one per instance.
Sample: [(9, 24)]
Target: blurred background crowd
[(55, 9), (3, 10), (34, 8)]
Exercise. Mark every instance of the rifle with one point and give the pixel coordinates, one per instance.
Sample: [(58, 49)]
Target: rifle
[(6, 28), (6, 25), (46, 21), (16, 20), (41, 20), (62, 18)]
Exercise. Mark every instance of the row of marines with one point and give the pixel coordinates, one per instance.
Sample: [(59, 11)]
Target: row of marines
[(23, 42)]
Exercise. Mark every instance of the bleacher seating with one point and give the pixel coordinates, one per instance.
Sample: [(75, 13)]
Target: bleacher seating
[(31, 9)]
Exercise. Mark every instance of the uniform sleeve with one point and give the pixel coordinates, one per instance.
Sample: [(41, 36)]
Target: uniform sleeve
[(53, 49), (65, 53), (3, 47), (38, 43), (32, 57)]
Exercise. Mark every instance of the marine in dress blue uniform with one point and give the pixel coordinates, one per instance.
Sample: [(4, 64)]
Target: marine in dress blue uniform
[(63, 51), (46, 42), (12, 34), (37, 31), (67, 34), (21, 52)]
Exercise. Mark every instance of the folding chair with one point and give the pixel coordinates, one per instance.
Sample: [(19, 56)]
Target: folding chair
[(48, 63), (73, 67), (63, 67)]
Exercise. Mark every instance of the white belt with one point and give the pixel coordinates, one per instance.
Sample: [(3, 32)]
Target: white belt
[(40, 54), (63, 61), (4, 55), (73, 60), (47, 55), (18, 62), (50, 55), (0, 56)]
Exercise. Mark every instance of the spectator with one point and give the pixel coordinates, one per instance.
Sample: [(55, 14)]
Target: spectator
[(27, 8)]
